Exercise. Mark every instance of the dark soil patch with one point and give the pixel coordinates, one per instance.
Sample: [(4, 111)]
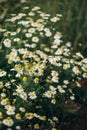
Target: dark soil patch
[(76, 122)]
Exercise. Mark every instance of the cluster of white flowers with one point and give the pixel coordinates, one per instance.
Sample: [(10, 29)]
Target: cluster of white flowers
[(39, 70)]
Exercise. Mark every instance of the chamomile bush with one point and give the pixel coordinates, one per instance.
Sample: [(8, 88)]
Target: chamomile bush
[(38, 71)]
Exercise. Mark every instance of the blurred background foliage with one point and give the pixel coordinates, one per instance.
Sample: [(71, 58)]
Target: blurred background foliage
[(73, 24)]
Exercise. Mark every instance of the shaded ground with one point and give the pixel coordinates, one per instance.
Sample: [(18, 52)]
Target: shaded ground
[(76, 122)]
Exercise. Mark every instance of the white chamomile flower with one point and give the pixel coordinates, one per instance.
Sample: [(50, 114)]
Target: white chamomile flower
[(54, 73), (8, 122), (32, 95), (31, 30), (48, 94), (55, 79), (48, 34), (23, 95), (72, 97), (31, 13), (18, 127), (35, 39), (28, 35), (36, 8), (76, 70), (55, 19), (10, 112), (7, 43), (2, 73), (66, 82), (16, 39), (22, 109)]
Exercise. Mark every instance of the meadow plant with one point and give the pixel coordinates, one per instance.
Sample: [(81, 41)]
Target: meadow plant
[(38, 71)]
